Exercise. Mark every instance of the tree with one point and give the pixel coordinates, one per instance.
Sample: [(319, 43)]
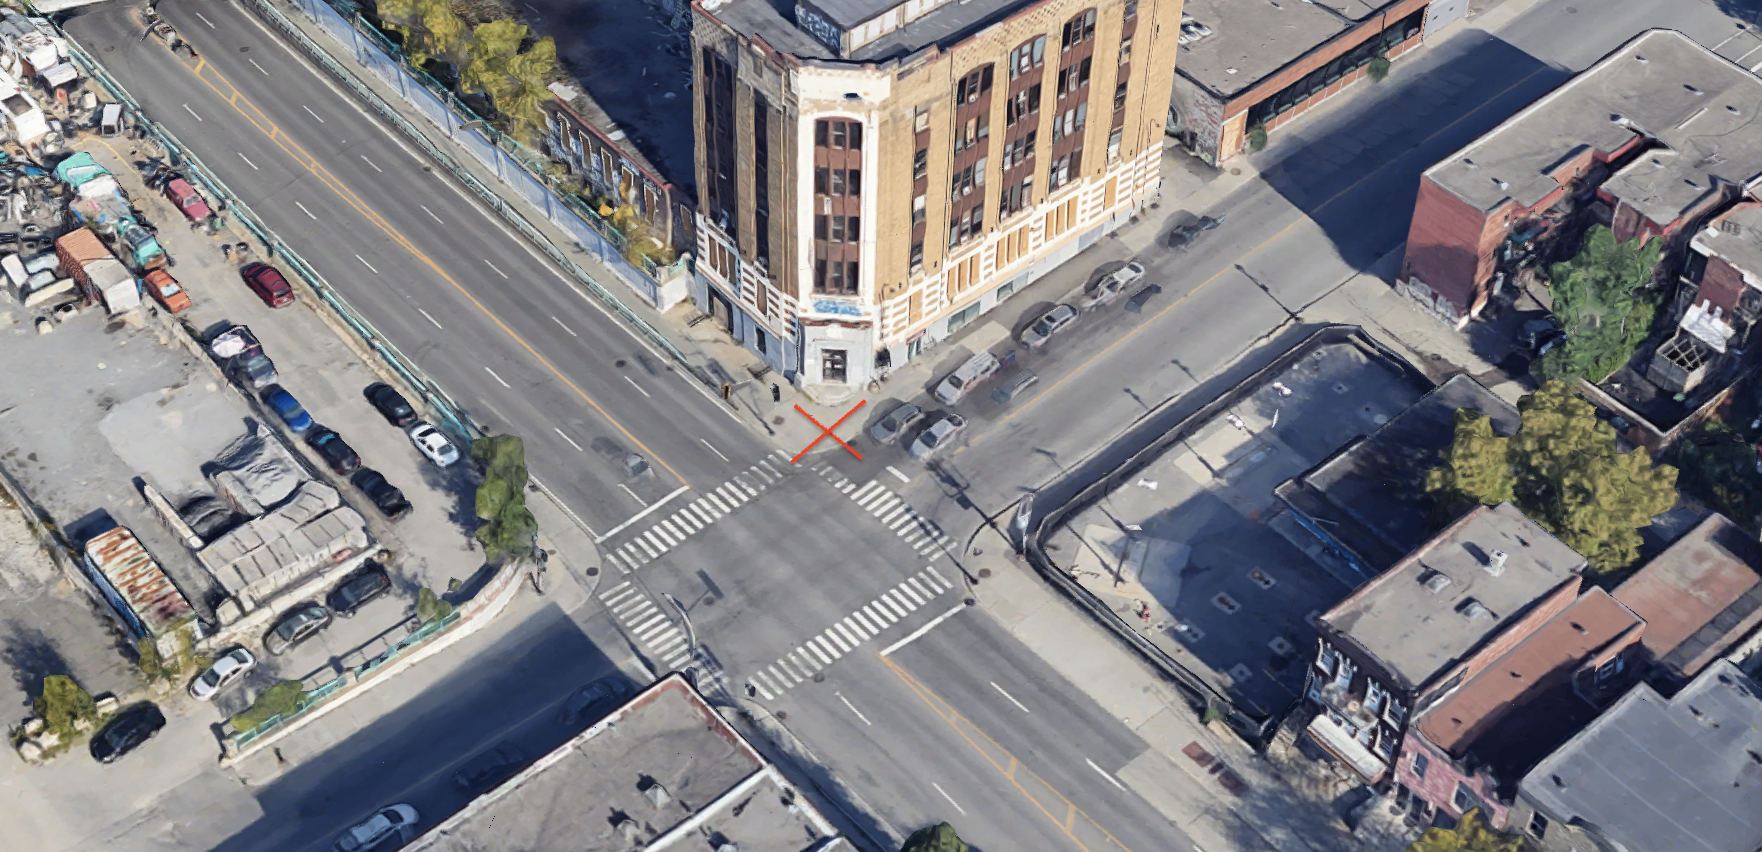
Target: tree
[(1471, 834), (63, 705), (1603, 301), (936, 838), (501, 498), (404, 17), (429, 607), (1719, 467), (528, 93), (448, 36), (285, 697), (493, 47), (1563, 470), (1377, 69)]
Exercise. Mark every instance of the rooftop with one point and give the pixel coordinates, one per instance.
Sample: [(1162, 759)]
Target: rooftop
[(1683, 774), (1661, 85), (664, 771), (1735, 237), (1544, 660), (1437, 605), (775, 22), (1698, 596), (1250, 41), (1372, 493)]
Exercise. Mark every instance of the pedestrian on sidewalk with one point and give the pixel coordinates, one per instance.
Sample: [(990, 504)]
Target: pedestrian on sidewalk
[(776, 393)]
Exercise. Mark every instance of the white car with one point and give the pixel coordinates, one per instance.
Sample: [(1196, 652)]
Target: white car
[(434, 444), (1110, 288), (1049, 324), (969, 375), (225, 672), (383, 824), (937, 436)]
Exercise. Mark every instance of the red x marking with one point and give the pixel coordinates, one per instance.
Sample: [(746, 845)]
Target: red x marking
[(827, 430)]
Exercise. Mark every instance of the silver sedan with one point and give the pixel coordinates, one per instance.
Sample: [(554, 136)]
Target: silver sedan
[(1049, 324), (895, 424), (940, 434)]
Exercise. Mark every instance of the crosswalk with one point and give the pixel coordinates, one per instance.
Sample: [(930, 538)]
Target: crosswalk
[(857, 628), (647, 546), (918, 532), (648, 624)]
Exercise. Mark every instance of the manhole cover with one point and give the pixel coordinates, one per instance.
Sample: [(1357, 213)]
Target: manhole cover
[(110, 48), (619, 363), (984, 572), (592, 571), (428, 168), (245, 49), (1235, 171), (776, 421), (819, 677), (782, 715)]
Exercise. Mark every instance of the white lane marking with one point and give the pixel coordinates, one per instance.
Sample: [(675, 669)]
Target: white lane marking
[(637, 386), (836, 640), (911, 594), (565, 328), (366, 264), (923, 630), (430, 213), (573, 444), (840, 630), (305, 211), (258, 67), (311, 113), (370, 162), (712, 449), (853, 709), (950, 799), (824, 660), (205, 20), (493, 375), (622, 485), (862, 618), (1012, 698), (493, 266), (640, 515), (247, 160), (198, 118), (431, 319), (1110, 779), (902, 477), (853, 625)]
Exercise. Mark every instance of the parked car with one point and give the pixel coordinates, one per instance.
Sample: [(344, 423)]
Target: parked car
[(336, 452), (385, 496), (895, 424), (186, 199), (360, 587), (386, 822), (490, 768), (287, 408), (1184, 235), (434, 444), (1109, 288), (939, 435), (166, 291), (592, 701), (299, 624), (226, 671), (269, 285), (966, 377), (391, 404), (243, 357), (126, 732), (1049, 324)]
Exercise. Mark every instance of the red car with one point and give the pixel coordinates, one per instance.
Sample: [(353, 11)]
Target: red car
[(188, 200), (267, 283)]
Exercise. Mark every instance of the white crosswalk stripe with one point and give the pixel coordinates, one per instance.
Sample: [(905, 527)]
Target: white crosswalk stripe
[(667, 533), (918, 532), (647, 624)]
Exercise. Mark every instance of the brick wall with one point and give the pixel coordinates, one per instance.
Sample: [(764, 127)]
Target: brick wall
[(1450, 246), (592, 156), (1442, 777), (1540, 613)]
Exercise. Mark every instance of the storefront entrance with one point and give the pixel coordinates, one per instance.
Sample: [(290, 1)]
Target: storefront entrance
[(832, 365)]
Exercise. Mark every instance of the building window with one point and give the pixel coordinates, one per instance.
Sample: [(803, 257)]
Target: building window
[(1343, 677), (1016, 197), (1385, 745), (917, 256), (1119, 96), (1395, 714), (1078, 29), (1464, 798), (960, 318), (1074, 78), (1025, 103), (1125, 50), (972, 86), (1019, 151), (920, 163), (918, 210), (831, 133), (1030, 55), (1131, 9), (1071, 122), (1611, 669), (1538, 826), (1065, 169), (1113, 144), (920, 119), (1420, 764), (1374, 696)]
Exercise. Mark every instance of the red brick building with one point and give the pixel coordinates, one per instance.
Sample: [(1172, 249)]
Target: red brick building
[(613, 168)]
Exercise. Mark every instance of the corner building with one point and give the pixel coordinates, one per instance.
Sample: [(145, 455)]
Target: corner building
[(873, 175)]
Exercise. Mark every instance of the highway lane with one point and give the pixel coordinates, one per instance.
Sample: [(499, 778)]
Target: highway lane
[(512, 341)]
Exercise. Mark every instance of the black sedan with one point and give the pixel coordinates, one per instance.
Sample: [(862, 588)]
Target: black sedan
[(362, 586), (490, 768), (391, 404), (594, 700), (126, 732), (300, 624), (385, 496), (336, 452)]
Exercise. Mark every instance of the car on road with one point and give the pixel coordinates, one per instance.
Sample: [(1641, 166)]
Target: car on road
[(434, 444), (269, 285), (385, 496), (226, 671), (391, 404), (336, 452), (126, 732), (1109, 288), (287, 408), (937, 436), (187, 200), (967, 376), (1049, 324), (1184, 235), (299, 624), (386, 822), (895, 424), (490, 768), (592, 701), (360, 587)]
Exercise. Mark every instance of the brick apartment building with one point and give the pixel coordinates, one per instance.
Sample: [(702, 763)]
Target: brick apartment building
[(1650, 140), (1258, 63), (612, 167), (873, 174)]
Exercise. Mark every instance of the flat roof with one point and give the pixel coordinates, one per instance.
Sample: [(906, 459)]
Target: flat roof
[(1697, 105), (1250, 41), (1698, 596), (1735, 237), (1683, 774), (1437, 605), (712, 785), (775, 22)]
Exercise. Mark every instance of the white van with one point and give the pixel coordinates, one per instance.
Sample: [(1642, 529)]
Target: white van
[(969, 375)]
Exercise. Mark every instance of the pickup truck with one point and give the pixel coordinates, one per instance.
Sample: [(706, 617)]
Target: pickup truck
[(242, 357)]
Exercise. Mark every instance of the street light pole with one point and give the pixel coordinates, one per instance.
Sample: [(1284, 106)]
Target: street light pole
[(690, 633)]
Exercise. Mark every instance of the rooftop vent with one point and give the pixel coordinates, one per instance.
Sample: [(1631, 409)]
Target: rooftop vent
[(630, 829), (1469, 163), (655, 793), (1691, 89), (1502, 184), (1733, 110), (1496, 563), (1474, 610), (1437, 582)]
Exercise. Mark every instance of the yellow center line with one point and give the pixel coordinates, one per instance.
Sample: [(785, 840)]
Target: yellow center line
[(961, 725), (202, 70)]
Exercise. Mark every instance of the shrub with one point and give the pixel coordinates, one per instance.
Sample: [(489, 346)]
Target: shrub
[(282, 698), (1377, 69), (63, 704), (429, 607), (1256, 136)]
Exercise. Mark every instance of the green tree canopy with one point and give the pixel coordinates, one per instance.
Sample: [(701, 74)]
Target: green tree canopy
[(429, 606), (936, 838), (284, 697), (1471, 834), (501, 498), (1602, 299), (1563, 469), (62, 704)]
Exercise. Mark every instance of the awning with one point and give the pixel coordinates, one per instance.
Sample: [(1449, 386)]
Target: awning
[(1347, 749), (59, 75)]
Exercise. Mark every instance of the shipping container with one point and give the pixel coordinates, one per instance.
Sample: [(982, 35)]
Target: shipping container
[(135, 585)]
